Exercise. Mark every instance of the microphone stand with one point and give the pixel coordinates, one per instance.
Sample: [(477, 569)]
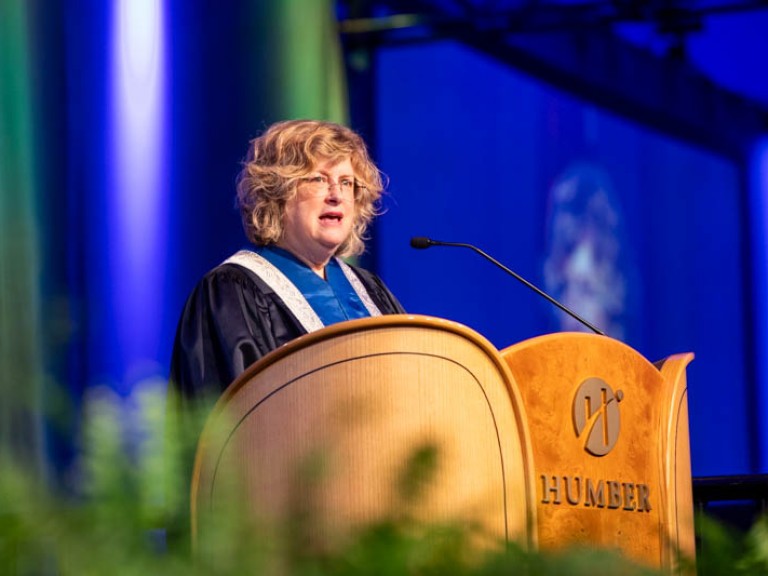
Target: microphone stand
[(420, 242)]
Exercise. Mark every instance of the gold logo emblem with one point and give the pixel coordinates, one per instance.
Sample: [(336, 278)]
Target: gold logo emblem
[(596, 416)]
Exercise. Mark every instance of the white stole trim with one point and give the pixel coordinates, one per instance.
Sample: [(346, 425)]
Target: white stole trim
[(358, 287), (283, 287)]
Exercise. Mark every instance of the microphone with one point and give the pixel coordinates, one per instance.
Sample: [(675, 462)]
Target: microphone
[(421, 243)]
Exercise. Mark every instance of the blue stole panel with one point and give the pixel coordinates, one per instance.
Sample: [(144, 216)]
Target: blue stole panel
[(333, 300)]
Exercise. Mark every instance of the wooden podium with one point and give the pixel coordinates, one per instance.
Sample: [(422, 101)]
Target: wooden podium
[(609, 434), (562, 439)]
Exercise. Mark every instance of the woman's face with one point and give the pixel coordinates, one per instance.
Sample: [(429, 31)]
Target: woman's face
[(319, 218)]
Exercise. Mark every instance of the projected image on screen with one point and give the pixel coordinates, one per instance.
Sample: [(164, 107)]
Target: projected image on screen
[(637, 231), (583, 265)]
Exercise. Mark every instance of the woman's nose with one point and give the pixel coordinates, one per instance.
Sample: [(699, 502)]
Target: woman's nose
[(334, 190)]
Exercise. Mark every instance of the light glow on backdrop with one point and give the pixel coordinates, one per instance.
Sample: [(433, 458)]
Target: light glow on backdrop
[(759, 212), (138, 190)]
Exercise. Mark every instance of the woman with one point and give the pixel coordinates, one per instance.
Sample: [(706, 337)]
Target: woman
[(306, 193)]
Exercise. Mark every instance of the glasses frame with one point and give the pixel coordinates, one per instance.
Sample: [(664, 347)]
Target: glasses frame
[(320, 184)]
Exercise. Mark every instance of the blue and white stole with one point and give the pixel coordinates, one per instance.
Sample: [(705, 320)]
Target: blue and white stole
[(313, 301)]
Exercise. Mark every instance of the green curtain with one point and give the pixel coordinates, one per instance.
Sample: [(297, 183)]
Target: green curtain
[(296, 55), (21, 372)]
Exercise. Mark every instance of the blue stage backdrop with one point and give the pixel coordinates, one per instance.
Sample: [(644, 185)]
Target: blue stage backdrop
[(639, 232)]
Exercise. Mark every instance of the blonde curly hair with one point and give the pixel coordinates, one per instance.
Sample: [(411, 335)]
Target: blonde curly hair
[(288, 151)]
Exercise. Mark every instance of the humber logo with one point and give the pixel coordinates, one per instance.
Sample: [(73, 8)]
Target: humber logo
[(596, 416), (596, 421)]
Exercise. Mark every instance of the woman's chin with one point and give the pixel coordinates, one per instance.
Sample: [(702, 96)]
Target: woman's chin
[(332, 239)]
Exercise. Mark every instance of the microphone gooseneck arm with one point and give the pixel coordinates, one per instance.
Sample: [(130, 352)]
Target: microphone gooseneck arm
[(421, 242)]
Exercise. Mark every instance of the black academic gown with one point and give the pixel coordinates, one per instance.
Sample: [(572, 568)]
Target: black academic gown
[(232, 319)]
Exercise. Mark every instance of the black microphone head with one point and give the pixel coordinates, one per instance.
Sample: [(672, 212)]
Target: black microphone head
[(420, 242)]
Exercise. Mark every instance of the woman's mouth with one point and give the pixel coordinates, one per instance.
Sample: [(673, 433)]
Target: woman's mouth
[(331, 217)]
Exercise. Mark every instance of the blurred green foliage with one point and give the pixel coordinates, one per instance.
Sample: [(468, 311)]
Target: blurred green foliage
[(131, 495)]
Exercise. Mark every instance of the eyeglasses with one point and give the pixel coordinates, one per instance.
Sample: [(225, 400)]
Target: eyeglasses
[(320, 184)]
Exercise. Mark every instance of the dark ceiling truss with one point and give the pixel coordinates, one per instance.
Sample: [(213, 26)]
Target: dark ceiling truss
[(559, 15), (571, 44), (672, 18)]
